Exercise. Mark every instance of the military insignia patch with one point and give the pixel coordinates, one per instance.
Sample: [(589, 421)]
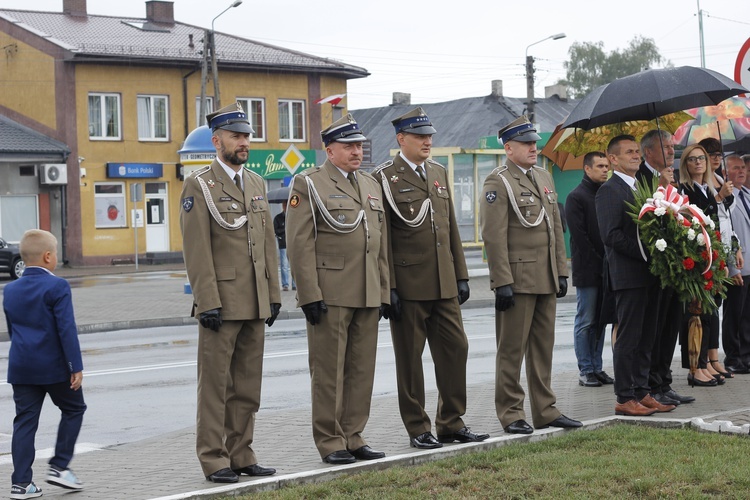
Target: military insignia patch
[(394, 179), (211, 183), (490, 196), (294, 201), (187, 203)]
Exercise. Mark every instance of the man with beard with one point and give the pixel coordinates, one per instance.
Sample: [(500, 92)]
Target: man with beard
[(230, 255)]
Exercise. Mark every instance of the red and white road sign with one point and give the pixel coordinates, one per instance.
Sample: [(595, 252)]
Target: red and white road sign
[(742, 66)]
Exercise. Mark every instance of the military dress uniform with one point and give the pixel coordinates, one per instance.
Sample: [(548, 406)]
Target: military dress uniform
[(426, 260), (338, 254), (523, 239), (230, 255)]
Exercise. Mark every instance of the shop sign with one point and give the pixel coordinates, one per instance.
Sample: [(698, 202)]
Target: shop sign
[(134, 170)]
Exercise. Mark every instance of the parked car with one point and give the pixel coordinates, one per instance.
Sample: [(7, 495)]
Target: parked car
[(10, 260)]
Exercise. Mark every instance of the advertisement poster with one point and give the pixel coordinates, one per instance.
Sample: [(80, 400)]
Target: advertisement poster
[(110, 212)]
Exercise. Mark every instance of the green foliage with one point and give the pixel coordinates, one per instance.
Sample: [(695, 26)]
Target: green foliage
[(673, 244), (589, 66)]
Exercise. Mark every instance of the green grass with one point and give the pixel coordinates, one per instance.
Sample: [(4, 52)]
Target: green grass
[(622, 461)]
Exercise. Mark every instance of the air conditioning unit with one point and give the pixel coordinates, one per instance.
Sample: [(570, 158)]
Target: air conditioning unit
[(54, 173)]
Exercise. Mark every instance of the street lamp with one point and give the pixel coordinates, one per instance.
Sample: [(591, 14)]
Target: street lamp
[(530, 74), (209, 47)]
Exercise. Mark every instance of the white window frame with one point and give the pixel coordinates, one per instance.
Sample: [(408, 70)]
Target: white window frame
[(288, 103), (201, 120), (260, 131), (102, 96), (120, 202), (151, 107), (31, 199)]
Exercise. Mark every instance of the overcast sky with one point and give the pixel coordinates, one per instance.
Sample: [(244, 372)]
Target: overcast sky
[(441, 50)]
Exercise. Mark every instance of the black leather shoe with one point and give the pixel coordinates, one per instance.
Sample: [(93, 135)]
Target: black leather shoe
[(664, 399), (682, 399), (563, 422), (701, 383), (255, 470), (604, 378), (589, 380), (224, 475), (738, 368), (463, 435), (425, 441), (367, 453), (340, 457), (519, 427)]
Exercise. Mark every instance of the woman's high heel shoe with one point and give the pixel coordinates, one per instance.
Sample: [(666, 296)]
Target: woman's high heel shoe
[(725, 374), (701, 383)]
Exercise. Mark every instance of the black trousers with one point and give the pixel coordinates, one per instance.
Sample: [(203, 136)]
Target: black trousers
[(667, 331), (637, 316), (736, 324)]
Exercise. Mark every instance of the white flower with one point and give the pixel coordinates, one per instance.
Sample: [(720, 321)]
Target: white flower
[(660, 244), (695, 221), (691, 234), (711, 223), (658, 195), (660, 211), (700, 239)]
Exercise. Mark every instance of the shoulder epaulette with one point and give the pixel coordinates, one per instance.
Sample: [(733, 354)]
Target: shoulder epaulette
[(501, 169), (383, 165), (430, 160), (367, 174), (201, 171)]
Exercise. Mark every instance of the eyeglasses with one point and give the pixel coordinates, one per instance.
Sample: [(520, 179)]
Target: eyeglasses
[(696, 159), (715, 155)]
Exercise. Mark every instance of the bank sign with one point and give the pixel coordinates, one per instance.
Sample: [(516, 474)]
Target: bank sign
[(280, 163), (134, 170)]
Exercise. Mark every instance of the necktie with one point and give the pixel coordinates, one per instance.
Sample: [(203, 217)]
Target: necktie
[(531, 178), (237, 181), (420, 171), (353, 181)]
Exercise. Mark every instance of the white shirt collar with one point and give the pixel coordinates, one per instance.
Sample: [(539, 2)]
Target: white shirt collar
[(231, 173), (629, 180), (42, 268), (653, 170), (410, 163)]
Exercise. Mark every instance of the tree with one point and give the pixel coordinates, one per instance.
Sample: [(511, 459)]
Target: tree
[(589, 67)]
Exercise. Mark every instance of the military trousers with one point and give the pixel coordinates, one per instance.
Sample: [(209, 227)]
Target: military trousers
[(342, 350), (230, 367), (525, 331), (439, 323)]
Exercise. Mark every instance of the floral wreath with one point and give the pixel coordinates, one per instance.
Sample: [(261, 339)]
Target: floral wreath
[(681, 244)]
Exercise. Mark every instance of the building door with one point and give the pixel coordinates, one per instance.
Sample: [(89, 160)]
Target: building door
[(157, 217)]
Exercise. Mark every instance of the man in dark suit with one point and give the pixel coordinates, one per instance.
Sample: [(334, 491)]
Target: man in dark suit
[(636, 289), (522, 234), (337, 246), (230, 257), (657, 149), (429, 282)]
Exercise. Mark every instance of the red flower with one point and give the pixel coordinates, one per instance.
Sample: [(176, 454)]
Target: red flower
[(688, 263), (718, 235), (714, 254), (709, 285), (708, 275), (722, 265), (704, 255)]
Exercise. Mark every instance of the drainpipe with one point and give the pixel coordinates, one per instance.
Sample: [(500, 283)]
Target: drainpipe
[(185, 100)]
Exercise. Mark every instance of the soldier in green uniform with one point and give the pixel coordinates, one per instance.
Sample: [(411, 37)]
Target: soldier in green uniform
[(230, 254), (523, 238), (336, 242), (429, 281)]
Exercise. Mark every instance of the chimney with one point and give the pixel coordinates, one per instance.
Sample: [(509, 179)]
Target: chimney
[(158, 11), (74, 7), (497, 88), (561, 91), (401, 98)]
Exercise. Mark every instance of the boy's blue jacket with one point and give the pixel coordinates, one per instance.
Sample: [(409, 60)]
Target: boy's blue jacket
[(44, 346)]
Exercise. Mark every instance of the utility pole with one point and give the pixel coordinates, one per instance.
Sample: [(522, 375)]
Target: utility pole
[(215, 71), (530, 75), (204, 76), (700, 34)]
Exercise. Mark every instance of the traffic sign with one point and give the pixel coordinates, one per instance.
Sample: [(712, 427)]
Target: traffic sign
[(742, 66)]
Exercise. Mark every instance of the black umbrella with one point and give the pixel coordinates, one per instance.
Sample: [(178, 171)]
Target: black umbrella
[(650, 94), (278, 195), (741, 145)]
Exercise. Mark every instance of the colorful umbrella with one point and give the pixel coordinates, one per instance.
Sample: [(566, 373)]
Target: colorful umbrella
[(564, 160), (579, 142), (727, 121)]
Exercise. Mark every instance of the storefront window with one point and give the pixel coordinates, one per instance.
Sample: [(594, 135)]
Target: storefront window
[(463, 195), (109, 204)]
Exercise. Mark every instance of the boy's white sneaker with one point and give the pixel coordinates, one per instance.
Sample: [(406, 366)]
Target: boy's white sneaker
[(18, 492), (64, 478)]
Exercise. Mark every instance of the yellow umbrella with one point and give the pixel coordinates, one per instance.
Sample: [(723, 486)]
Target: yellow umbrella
[(578, 142), (695, 333)]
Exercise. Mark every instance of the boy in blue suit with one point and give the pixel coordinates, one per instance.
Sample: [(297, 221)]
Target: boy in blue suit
[(44, 358)]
